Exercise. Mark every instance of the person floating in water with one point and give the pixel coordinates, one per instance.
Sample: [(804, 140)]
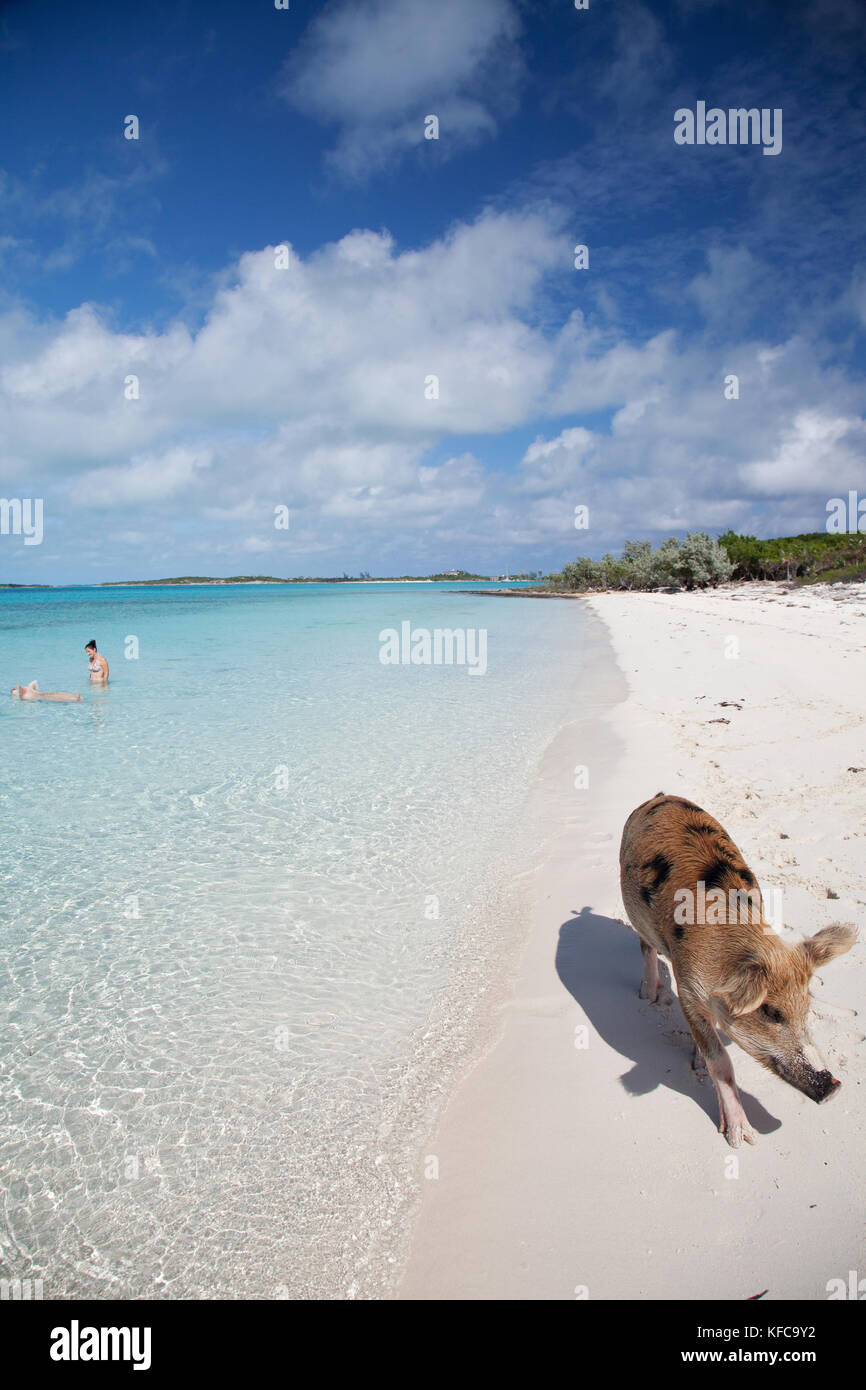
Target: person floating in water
[(32, 692), (98, 664)]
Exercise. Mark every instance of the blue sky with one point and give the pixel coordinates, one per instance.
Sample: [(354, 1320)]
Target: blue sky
[(307, 386)]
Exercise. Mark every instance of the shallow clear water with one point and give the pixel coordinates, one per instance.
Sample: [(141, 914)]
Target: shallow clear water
[(219, 946)]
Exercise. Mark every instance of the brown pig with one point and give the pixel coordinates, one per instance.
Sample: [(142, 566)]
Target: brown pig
[(689, 894)]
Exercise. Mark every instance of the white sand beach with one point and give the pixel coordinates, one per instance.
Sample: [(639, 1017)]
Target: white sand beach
[(568, 1170)]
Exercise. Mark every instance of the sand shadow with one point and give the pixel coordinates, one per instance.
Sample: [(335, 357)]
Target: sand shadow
[(598, 960)]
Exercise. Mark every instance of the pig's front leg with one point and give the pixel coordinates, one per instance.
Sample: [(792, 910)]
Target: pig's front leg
[(733, 1122), (650, 982)]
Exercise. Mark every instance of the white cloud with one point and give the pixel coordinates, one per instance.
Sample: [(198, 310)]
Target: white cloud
[(605, 371), (551, 464), (148, 478), (816, 453), (305, 388), (351, 335), (377, 69)]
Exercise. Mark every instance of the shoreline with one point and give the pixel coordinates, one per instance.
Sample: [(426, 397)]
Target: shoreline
[(769, 587), (597, 1171), (464, 1020)]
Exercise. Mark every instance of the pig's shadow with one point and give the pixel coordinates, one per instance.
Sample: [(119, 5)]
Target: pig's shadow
[(599, 961)]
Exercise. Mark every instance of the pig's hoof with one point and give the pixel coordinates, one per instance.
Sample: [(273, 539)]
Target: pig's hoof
[(737, 1132)]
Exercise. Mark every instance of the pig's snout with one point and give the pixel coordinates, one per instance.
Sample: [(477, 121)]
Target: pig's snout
[(825, 1086), (817, 1085)]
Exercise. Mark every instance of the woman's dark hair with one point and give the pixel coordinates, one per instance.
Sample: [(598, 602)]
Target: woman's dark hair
[(92, 644)]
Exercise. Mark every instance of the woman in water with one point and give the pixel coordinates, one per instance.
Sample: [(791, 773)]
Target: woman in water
[(32, 692), (98, 664)]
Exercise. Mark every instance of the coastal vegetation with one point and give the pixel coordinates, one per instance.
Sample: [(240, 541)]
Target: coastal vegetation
[(701, 561), (811, 558), (694, 563)]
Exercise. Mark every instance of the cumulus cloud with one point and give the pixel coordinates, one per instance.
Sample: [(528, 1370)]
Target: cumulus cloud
[(308, 387), (149, 478), (549, 465), (817, 451), (604, 370), (377, 69), (354, 334)]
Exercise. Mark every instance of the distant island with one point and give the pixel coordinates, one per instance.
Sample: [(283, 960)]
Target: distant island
[(448, 576), (445, 577)]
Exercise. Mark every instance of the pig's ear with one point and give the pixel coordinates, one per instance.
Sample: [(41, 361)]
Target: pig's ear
[(745, 989), (828, 943)]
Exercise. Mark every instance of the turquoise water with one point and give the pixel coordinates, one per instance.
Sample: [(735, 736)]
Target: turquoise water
[(235, 883)]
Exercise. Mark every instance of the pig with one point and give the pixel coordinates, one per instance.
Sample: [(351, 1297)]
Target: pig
[(32, 692), (689, 894)]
